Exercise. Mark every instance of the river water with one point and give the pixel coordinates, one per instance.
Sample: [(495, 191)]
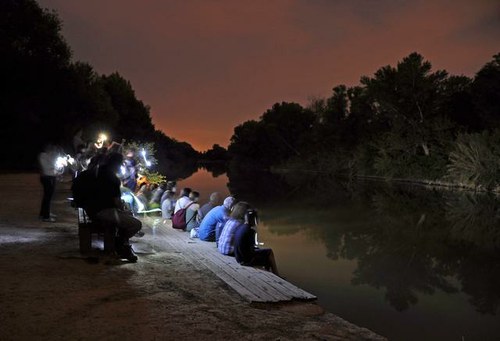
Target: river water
[(409, 263)]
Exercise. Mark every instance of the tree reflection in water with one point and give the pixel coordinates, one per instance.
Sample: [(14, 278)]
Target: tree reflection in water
[(401, 251), (474, 223), (406, 240), (216, 168), (178, 170)]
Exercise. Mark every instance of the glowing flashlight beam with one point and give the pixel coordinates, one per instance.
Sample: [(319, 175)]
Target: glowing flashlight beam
[(143, 152)]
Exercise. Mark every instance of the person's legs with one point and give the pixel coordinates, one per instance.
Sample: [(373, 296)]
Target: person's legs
[(272, 261), (48, 183), (127, 226), (265, 258)]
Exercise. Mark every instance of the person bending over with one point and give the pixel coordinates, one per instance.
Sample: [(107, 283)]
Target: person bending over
[(107, 207), (245, 250)]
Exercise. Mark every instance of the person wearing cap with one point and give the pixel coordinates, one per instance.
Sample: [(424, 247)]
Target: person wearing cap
[(211, 225)]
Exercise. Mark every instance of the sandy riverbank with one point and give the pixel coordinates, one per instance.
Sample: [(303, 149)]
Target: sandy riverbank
[(48, 291)]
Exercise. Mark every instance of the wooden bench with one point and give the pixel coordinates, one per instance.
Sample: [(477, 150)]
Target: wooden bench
[(86, 227)]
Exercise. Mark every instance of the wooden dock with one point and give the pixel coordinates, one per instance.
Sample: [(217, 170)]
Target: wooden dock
[(255, 285)]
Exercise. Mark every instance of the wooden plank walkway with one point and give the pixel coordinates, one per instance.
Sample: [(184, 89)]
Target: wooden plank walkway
[(255, 285)]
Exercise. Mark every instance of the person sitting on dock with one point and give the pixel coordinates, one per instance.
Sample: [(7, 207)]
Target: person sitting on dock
[(211, 225), (183, 199), (155, 201), (213, 202), (236, 221), (167, 205), (170, 186), (192, 212), (143, 195), (245, 250)]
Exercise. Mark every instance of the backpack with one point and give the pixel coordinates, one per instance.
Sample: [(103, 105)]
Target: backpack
[(179, 218), (82, 188)]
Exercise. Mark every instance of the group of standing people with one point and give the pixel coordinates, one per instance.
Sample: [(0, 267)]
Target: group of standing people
[(231, 225)]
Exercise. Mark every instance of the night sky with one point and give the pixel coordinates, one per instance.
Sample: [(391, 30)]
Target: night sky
[(206, 66)]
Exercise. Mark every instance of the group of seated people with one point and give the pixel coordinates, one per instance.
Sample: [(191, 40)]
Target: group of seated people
[(148, 197), (230, 224)]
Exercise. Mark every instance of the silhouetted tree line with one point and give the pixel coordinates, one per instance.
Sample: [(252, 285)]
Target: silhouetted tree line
[(45, 96), (404, 121), (215, 154)]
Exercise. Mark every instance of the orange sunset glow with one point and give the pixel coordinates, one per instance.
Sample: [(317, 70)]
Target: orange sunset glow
[(206, 66)]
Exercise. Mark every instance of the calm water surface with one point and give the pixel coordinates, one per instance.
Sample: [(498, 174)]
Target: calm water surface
[(407, 263)]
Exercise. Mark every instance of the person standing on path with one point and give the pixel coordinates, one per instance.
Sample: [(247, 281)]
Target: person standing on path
[(48, 176)]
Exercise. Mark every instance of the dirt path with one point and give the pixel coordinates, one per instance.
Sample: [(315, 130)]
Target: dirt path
[(49, 292)]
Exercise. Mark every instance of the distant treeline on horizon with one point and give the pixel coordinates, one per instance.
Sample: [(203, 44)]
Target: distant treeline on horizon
[(406, 120)]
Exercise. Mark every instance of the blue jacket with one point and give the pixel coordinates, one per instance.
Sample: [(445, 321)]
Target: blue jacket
[(216, 216)]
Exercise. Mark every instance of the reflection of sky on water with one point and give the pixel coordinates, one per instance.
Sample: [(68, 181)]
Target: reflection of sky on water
[(205, 183), (410, 264)]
